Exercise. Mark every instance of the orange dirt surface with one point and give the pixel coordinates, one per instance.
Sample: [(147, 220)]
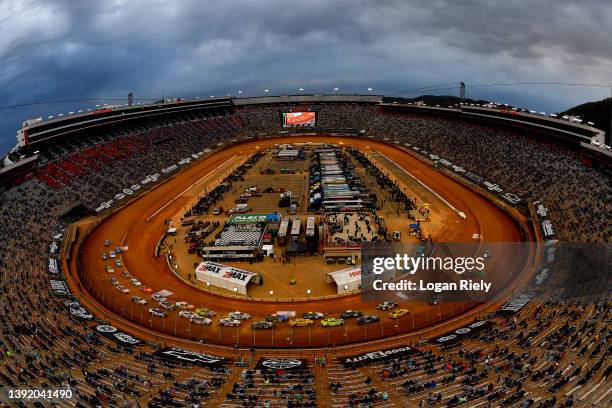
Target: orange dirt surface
[(129, 226)]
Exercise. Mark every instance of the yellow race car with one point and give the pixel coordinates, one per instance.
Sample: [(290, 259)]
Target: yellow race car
[(398, 313), (300, 322)]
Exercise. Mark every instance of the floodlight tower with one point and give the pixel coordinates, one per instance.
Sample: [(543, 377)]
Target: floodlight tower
[(461, 92), (130, 99)]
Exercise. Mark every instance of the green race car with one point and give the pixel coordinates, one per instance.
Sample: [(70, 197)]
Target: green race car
[(331, 322)]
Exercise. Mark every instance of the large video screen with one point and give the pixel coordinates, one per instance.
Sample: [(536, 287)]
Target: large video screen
[(293, 119)]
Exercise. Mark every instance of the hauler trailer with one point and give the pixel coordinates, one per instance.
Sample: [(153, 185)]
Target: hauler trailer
[(296, 226), (310, 226), (282, 231)]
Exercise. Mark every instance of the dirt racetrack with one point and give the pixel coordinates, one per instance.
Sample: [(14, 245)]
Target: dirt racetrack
[(129, 226)]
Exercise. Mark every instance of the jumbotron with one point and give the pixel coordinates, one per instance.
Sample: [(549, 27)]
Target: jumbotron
[(215, 251)]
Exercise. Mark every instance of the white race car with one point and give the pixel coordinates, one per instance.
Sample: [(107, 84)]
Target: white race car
[(202, 320), (187, 314), (239, 315), (229, 322)]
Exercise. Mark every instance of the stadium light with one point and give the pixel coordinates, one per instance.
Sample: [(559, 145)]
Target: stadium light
[(369, 89), (345, 288), (239, 92), (301, 89), (208, 284), (271, 292), (235, 290), (266, 90), (336, 89)]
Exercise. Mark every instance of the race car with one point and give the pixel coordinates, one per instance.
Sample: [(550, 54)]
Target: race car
[(386, 305), (184, 305), (106, 243), (332, 322), (145, 289), (104, 257), (227, 321), (155, 311), (367, 319), (158, 298), (261, 325), (167, 305), (118, 262), (122, 289), (126, 274), (313, 315), (111, 254), (239, 315), (109, 269), (135, 282), (277, 318), (398, 313), (350, 314), (201, 320), (202, 311), (138, 300), (187, 314), (300, 322), (114, 281)]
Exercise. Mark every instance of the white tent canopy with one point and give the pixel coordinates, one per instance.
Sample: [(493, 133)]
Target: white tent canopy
[(226, 277), (347, 280)]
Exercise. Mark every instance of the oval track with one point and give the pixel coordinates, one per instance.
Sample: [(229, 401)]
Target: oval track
[(130, 225)]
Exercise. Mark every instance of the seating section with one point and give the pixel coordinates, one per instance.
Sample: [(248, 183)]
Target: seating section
[(548, 355)]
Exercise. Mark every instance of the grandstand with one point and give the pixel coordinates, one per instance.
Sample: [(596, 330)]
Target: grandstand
[(545, 353)]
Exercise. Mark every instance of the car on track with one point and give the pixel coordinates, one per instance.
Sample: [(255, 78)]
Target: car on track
[(118, 262), (114, 281), (349, 314), (229, 322), (262, 325), (167, 305), (158, 298), (118, 250), (112, 254), (126, 274), (110, 269), (106, 243), (313, 315), (386, 305), (135, 282), (184, 305), (104, 256), (204, 312), (145, 289), (155, 311), (239, 315), (300, 322), (187, 314), (332, 322), (123, 289), (277, 318), (201, 320), (138, 300), (395, 314), (367, 319)]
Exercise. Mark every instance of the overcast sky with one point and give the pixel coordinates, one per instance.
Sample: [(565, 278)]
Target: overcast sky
[(57, 50)]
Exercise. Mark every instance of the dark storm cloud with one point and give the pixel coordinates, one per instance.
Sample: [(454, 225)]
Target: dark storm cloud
[(67, 49)]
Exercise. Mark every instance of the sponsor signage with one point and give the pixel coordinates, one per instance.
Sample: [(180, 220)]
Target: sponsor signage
[(248, 219), (376, 356), (151, 178), (285, 364), (459, 334), (76, 310), (59, 287), (112, 333), (53, 266), (546, 226), (511, 198), (179, 355), (515, 304)]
